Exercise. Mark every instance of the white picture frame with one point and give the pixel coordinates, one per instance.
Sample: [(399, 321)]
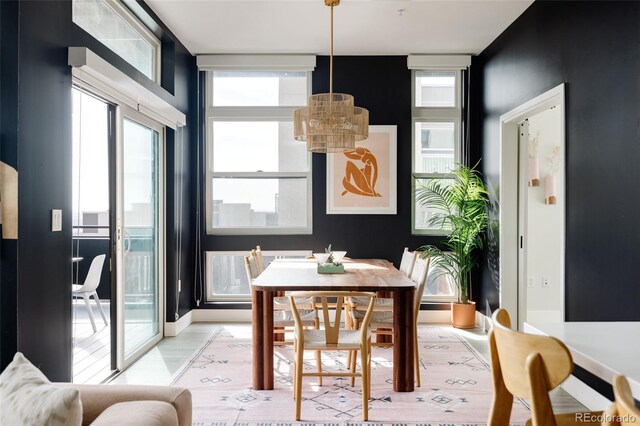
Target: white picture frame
[(364, 181)]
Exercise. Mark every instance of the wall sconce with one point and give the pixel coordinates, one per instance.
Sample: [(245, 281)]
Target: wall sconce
[(534, 165), (550, 195)]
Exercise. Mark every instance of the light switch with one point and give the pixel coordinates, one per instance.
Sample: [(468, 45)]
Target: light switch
[(56, 220), (530, 282), (546, 282)]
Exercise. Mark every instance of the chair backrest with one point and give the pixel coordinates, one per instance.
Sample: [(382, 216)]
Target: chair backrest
[(259, 260), (95, 272), (331, 329), (419, 276), (251, 266), (515, 350), (528, 365), (625, 411), (407, 262)]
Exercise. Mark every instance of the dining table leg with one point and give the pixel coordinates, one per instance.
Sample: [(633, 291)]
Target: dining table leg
[(257, 315), (404, 324)]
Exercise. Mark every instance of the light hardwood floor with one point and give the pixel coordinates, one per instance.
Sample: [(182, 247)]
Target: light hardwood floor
[(159, 364)]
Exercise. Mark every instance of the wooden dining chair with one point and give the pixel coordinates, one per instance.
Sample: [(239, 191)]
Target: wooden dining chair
[(382, 321), (623, 411), (386, 303), (332, 338), (528, 366), (259, 260), (407, 261), (283, 320)]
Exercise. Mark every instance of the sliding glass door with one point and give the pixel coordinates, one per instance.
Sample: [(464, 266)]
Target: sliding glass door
[(140, 229)]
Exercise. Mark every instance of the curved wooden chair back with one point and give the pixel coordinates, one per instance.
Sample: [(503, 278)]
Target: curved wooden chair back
[(527, 366), (408, 261), (332, 328), (251, 266), (623, 411), (259, 259), (419, 276)]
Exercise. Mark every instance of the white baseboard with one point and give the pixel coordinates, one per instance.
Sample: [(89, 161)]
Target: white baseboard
[(586, 395), (221, 315), (244, 315), (172, 329), (426, 317)]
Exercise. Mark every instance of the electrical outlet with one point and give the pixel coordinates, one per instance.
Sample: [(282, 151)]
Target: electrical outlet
[(179, 286), (546, 282), (530, 282)]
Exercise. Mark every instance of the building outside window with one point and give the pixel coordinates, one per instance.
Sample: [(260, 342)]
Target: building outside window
[(258, 176), (436, 115)]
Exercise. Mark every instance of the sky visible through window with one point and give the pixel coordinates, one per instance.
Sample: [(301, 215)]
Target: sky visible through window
[(90, 155), (255, 146)]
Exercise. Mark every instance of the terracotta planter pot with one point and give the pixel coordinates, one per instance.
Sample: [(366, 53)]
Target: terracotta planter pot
[(463, 315)]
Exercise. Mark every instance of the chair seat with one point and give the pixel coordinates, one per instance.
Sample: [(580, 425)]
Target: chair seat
[(285, 318), (283, 303), (347, 339), (381, 303), (379, 319), (77, 288)]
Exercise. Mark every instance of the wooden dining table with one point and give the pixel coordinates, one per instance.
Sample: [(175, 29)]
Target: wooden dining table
[(376, 275)]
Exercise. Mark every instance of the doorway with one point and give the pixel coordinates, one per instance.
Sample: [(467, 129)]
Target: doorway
[(532, 252), (118, 241), (93, 313)]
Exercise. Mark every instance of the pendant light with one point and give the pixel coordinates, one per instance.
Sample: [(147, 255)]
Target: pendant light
[(331, 122)]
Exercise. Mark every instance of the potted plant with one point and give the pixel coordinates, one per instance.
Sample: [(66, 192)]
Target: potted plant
[(461, 202)]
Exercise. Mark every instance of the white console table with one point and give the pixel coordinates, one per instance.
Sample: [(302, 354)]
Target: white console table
[(604, 349)]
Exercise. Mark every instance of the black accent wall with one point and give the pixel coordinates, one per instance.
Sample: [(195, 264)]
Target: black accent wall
[(382, 84), (36, 83), (594, 48)]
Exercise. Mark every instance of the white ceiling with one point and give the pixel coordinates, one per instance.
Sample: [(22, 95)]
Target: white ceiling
[(362, 27)]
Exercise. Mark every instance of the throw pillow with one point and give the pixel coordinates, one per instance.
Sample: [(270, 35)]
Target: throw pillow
[(28, 398)]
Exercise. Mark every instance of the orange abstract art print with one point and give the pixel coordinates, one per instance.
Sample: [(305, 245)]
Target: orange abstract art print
[(363, 181)]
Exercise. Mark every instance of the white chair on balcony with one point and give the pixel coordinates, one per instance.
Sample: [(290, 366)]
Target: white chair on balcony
[(89, 288)]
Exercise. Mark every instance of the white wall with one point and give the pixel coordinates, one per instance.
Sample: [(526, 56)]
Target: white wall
[(545, 226)]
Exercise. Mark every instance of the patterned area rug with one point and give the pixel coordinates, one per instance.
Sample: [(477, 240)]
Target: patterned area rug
[(456, 386)]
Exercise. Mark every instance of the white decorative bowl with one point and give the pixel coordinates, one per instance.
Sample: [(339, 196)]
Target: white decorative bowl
[(338, 256), (321, 257)]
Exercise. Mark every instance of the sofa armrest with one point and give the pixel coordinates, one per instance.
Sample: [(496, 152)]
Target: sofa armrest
[(97, 398)]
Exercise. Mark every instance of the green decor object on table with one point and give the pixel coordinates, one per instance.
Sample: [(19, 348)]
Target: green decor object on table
[(330, 268)]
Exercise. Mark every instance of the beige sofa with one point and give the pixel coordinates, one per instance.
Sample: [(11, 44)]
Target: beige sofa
[(134, 405)]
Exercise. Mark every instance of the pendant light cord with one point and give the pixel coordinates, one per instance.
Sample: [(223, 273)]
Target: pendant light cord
[(331, 57)]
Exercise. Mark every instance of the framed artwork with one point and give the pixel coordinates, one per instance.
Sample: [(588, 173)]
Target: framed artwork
[(364, 181)]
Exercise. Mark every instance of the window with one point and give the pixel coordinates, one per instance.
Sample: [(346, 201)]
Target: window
[(111, 23), (436, 115), (226, 277), (440, 286), (259, 177)]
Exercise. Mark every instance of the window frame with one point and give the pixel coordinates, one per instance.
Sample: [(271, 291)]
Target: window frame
[(211, 297), (143, 31), (425, 114), (251, 113)]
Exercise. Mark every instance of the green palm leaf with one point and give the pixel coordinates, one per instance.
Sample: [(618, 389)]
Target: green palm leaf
[(461, 203)]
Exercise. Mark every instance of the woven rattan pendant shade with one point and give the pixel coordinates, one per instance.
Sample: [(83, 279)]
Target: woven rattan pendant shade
[(331, 122)]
